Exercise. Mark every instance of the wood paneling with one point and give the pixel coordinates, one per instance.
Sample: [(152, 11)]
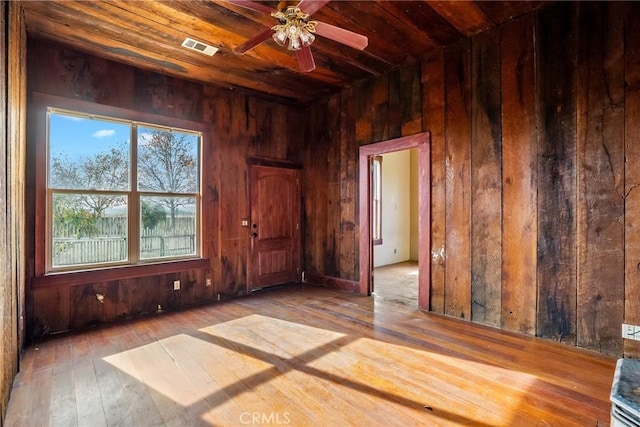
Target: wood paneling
[(519, 176), (319, 238), (486, 180), (457, 292), (534, 171), (12, 193), (348, 188), (363, 117), (332, 217), (410, 94), (600, 97), (7, 351), (433, 117), (557, 193), (17, 162), (632, 173)]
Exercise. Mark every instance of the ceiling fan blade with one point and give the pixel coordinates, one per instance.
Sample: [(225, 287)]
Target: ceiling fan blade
[(305, 59), (311, 6), (349, 38), (254, 41), (252, 5)]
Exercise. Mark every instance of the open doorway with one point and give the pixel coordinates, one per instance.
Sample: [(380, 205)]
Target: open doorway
[(394, 227), (367, 152)]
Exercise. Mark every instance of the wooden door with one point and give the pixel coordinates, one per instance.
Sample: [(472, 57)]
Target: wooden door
[(274, 226)]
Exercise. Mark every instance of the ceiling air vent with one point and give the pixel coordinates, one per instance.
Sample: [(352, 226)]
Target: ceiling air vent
[(199, 46)]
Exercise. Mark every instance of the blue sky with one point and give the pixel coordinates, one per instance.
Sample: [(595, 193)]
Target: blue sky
[(79, 137)]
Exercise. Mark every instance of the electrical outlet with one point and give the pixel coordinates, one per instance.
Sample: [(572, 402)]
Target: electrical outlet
[(630, 332), (208, 281), (176, 285)]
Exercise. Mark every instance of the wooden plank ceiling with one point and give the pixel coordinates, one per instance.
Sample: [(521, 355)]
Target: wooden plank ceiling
[(149, 34)]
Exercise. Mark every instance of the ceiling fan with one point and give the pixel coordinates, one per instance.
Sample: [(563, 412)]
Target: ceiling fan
[(295, 30)]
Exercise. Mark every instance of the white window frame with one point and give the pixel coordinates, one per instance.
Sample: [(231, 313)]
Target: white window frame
[(133, 195)]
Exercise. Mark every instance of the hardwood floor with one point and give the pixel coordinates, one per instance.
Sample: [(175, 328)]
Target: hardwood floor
[(306, 356), (397, 283)]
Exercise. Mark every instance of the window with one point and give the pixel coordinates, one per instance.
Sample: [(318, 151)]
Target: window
[(119, 192), (376, 199)]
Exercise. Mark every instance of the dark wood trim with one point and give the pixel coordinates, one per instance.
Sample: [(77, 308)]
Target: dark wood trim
[(332, 282), (421, 142), (272, 162), (46, 100), (118, 273)]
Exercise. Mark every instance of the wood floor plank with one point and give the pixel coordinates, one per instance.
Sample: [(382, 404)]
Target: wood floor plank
[(63, 387), (90, 410), (113, 392), (303, 355), (134, 391)]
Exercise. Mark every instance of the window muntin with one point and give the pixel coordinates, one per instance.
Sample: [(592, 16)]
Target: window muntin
[(109, 201)]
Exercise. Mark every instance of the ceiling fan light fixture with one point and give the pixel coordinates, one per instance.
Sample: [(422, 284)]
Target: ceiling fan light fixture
[(294, 44), (306, 38), (280, 37), (294, 26)]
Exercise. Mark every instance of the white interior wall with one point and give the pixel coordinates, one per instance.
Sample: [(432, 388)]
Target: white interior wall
[(396, 210), (413, 238)]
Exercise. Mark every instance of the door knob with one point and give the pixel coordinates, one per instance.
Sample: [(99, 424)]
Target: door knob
[(254, 234)]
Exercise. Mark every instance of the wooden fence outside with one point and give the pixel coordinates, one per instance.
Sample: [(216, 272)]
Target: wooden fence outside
[(110, 244)]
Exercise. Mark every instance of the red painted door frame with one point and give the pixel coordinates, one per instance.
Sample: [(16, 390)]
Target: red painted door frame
[(421, 142)]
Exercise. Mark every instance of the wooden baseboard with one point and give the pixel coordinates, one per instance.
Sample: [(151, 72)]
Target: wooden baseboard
[(332, 282)]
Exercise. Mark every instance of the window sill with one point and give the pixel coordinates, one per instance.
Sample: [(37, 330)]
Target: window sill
[(117, 273)]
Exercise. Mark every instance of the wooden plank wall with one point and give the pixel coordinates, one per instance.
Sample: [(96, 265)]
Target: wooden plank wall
[(12, 186), (632, 173), (557, 197), (600, 149), (375, 110), (535, 206), (242, 126), (519, 176), (6, 327)]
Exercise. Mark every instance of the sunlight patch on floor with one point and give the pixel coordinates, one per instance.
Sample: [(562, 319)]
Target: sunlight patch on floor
[(230, 368)]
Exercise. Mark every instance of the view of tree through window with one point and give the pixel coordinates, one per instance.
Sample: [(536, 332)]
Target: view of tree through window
[(102, 209)]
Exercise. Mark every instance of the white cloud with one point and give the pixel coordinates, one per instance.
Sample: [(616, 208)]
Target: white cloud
[(145, 138), (104, 133)]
